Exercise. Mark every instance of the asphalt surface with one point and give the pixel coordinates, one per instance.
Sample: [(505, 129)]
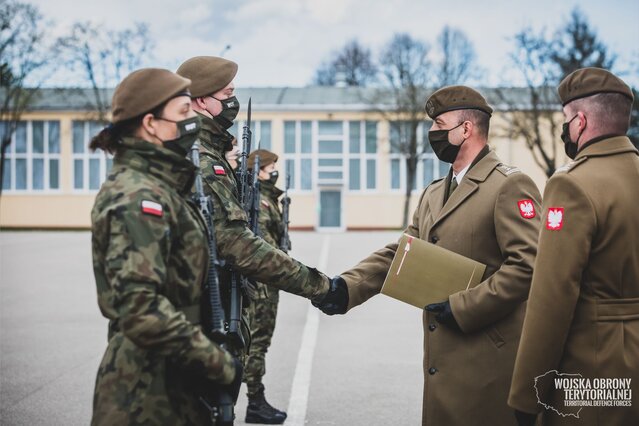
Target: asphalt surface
[(364, 368)]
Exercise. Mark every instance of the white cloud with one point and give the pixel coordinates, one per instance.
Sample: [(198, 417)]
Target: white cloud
[(281, 42)]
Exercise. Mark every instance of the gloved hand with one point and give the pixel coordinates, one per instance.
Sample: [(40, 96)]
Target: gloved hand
[(336, 300), (525, 419), (444, 314)]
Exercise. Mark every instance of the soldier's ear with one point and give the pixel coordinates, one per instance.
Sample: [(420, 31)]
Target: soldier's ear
[(147, 123)]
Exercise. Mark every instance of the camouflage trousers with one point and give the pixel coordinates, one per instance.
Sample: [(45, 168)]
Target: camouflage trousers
[(263, 315)]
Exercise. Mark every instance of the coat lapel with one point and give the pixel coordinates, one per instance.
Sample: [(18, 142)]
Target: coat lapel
[(467, 187)]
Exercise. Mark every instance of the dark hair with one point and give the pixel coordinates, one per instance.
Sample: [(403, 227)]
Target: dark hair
[(479, 118), (108, 139)]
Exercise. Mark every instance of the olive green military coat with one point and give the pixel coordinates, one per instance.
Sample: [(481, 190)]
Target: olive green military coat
[(492, 218), (583, 311), (150, 258)]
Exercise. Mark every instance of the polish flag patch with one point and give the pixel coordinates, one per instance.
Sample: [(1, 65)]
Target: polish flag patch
[(219, 170), (555, 219), (152, 208), (526, 209), (265, 204)]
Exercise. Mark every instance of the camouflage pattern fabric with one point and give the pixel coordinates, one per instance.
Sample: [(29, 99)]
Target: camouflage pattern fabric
[(237, 245), (149, 259), (265, 308)]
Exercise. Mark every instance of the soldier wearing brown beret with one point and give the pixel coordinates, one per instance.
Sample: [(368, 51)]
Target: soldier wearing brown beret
[(583, 310), (212, 92), (150, 258), (483, 210)]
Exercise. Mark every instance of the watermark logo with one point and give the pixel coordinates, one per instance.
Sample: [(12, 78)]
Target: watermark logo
[(572, 392)]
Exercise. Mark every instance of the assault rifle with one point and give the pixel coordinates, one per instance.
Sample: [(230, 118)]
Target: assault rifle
[(285, 241), (222, 402)]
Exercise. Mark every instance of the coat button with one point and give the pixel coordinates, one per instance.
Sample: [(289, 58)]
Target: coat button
[(434, 239), (432, 327), (432, 370)]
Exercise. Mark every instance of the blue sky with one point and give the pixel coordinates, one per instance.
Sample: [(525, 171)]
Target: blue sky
[(281, 42)]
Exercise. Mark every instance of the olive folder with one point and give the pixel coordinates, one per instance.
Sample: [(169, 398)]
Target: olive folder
[(422, 273)]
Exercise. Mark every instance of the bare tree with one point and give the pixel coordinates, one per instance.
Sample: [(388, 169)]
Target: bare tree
[(458, 62), (576, 46), (532, 112), (25, 50), (542, 63), (406, 72), (101, 58), (355, 64)]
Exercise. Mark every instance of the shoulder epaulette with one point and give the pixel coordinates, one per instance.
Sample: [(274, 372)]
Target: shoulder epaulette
[(570, 165), (507, 170)]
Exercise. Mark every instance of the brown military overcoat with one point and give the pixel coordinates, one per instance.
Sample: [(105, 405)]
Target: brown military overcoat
[(467, 373), (583, 311)]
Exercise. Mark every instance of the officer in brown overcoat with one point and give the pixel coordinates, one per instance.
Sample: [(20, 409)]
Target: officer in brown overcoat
[(583, 311), (483, 210)]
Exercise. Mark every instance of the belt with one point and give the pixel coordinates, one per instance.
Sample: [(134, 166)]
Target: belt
[(617, 309)]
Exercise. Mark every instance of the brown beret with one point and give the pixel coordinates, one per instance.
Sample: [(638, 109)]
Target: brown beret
[(452, 98), (590, 81), (208, 74), (145, 89), (266, 158)]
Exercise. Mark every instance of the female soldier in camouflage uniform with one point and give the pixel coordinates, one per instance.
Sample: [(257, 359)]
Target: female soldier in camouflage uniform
[(149, 258)]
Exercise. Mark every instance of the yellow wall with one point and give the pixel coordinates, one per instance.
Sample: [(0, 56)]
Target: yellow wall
[(67, 208)]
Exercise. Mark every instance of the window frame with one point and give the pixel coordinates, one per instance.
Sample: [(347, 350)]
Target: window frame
[(30, 156)]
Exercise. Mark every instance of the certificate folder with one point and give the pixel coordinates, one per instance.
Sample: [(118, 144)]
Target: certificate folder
[(422, 273)]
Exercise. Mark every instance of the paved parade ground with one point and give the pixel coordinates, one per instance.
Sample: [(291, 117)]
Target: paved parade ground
[(360, 369)]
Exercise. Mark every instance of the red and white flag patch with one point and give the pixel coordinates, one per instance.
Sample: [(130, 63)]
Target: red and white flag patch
[(152, 208), (555, 219), (219, 170), (265, 204), (526, 209)]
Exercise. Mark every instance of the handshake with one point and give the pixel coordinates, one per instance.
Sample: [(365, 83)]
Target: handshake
[(336, 300)]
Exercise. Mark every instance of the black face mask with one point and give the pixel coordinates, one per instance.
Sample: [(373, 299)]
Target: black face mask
[(570, 147), (273, 176), (187, 131), (230, 109), (443, 149)]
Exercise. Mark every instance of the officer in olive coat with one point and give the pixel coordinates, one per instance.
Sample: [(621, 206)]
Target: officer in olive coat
[(483, 210), (583, 310)]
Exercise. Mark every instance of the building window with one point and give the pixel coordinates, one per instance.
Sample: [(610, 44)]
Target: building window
[(90, 169), (32, 160), (362, 153), (331, 154), (298, 154), (260, 130), (429, 167)]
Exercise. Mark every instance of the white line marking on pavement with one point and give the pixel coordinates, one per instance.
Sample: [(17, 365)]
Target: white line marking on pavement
[(298, 403)]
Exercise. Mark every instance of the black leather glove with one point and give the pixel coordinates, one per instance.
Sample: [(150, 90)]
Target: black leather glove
[(525, 419), (444, 314), (336, 300)]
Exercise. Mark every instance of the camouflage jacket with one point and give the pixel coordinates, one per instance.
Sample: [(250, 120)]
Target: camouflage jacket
[(270, 219), (269, 222), (150, 259), (237, 245)]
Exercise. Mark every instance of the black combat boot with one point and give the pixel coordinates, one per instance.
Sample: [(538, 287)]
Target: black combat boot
[(260, 411)]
